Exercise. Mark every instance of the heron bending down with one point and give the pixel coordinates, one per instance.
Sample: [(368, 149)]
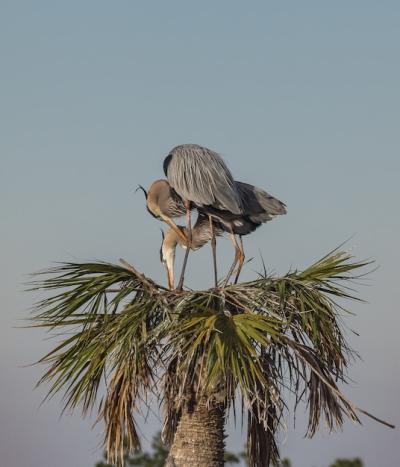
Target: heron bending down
[(165, 204), (259, 207)]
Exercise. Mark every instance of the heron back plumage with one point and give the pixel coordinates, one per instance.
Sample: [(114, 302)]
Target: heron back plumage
[(200, 175), (201, 231)]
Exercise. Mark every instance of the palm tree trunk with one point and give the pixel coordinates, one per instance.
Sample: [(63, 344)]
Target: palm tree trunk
[(199, 438)]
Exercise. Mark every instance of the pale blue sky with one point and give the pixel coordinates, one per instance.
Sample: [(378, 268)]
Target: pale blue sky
[(301, 98)]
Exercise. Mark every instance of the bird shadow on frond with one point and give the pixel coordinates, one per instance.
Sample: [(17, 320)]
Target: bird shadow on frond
[(252, 340)]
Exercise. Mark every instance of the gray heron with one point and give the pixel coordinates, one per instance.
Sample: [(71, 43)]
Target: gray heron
[(200, 176)]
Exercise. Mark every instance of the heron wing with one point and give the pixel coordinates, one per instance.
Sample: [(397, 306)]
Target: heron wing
[(200, 175), (259, 205)]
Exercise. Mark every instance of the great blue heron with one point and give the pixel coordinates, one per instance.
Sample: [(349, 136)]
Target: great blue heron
[(259, 207), (199, 175), (165, 204)]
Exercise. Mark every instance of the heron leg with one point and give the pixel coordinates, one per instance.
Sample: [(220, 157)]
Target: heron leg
[(189, 244), (241, 260), (236, 259), (214, 250)]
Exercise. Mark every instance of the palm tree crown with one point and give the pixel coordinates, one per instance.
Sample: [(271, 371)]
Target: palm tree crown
[(251, 341)]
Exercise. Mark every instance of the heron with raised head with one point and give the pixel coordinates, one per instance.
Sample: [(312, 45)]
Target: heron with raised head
[(200, 176), (259, 207)]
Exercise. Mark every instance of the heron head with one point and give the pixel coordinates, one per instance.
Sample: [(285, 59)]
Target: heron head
[(146, 195), (156, 198)]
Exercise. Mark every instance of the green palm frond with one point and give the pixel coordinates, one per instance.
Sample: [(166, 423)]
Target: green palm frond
[(255, 339)]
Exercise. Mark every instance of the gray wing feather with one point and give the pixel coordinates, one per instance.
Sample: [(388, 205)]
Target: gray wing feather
[(259, 205), (200, 175)]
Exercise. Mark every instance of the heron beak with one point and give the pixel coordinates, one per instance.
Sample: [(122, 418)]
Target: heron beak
[(168, 261), (167, 255), (176, 229), (170, 278)]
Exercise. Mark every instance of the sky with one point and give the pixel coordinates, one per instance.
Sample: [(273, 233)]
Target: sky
[(300, 98)]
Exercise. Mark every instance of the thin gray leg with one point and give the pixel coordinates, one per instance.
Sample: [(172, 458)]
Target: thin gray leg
[(241, 260), (236, 259), (189, 245), (214, 251)]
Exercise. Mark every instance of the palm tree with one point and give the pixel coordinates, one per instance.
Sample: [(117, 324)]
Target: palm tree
[(201, 352), (159, 455)]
